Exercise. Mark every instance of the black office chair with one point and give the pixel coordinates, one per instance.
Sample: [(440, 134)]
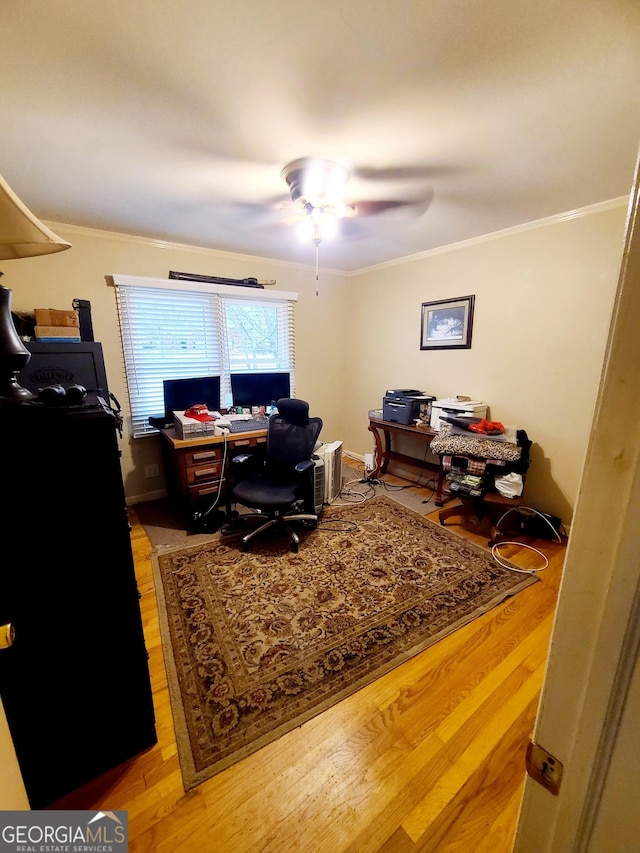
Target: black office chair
[(283, 489)]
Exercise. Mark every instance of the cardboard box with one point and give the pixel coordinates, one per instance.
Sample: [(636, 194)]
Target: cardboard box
[(54, 317), (57, 333)]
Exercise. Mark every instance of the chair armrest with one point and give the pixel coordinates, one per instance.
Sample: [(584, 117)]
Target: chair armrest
[(301, 467), (241, 459)]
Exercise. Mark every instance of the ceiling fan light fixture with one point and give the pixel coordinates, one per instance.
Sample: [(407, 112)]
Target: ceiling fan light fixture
[(324, 183), (317, 182), (305, 229), (328, 225), (319, 224)]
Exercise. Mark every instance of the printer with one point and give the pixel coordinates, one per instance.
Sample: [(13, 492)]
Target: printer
[(452, 406), (406, 405)]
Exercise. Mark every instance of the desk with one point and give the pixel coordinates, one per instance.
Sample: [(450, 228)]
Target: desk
[(385, 454), (194, 465)]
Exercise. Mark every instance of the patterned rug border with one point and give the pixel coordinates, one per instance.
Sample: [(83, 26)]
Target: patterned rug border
[(190, 774)]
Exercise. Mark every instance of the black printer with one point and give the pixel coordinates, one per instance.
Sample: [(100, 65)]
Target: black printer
[(405, 405)]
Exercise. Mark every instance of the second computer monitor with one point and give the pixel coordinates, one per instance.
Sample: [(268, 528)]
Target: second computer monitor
[(180, 394), (259, 389)]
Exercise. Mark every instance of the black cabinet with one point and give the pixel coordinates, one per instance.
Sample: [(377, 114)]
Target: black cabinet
[(75, 683)]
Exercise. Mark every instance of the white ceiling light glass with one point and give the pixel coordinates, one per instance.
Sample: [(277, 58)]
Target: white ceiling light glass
[(318, 186)]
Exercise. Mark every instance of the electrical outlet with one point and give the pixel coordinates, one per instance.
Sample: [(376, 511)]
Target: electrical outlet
[(368, 461), (151, 471)]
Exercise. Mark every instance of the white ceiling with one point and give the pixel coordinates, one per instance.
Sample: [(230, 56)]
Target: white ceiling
[(174, 119)]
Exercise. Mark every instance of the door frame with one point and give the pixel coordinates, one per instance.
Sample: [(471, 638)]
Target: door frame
[(596, 636)]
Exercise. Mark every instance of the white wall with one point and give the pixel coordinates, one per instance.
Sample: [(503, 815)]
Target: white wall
[(53, 281), (543, 299)]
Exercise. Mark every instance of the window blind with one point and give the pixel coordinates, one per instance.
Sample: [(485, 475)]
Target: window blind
[(176, 333)]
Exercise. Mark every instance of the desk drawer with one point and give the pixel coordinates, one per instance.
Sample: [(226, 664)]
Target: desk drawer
[(203, 490), (203, 456), (249, 441), (203, 473)]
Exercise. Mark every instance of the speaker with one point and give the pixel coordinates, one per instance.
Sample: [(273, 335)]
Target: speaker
[(83, 307)]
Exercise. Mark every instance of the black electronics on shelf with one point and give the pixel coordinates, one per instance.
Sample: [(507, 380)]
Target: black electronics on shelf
[(65, 364)]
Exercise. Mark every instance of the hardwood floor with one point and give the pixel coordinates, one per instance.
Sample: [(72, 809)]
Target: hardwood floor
[(428, 758)]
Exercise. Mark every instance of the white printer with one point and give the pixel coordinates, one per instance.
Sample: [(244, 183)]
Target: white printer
[(457, 408)]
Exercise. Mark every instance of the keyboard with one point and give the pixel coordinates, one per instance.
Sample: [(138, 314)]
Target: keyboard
[(248, 424)]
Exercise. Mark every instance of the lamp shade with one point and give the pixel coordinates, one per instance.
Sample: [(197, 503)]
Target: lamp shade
[(22, 235)]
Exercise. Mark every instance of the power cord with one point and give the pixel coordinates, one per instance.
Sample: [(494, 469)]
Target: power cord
[(376, 481), (522, 510), (347, 490), (201, 519), (494, 549), (496, 557)]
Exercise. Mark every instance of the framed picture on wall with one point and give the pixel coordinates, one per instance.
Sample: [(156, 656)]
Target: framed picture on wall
[(447, 323)]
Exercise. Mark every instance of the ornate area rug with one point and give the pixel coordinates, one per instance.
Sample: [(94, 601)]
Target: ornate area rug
[(257, 643)]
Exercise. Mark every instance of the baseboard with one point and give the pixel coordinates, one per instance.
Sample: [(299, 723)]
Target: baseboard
[(146, 497)]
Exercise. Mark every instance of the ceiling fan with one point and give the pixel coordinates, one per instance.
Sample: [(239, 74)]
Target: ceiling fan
[(318, 187)]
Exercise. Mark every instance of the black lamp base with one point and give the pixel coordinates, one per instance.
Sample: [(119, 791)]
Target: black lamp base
[(11, 390), (13, 353)]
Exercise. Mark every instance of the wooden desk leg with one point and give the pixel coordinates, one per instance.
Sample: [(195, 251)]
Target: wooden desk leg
[(378, 452), (387, 451), (438, 498)]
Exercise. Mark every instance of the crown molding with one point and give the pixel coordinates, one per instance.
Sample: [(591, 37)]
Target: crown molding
[(557, 218), (134, 239), (599, 207)]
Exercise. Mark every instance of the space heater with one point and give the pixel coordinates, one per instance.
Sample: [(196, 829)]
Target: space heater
[(331, 454), (318, 485)]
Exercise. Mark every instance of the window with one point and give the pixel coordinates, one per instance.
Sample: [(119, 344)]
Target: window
[(172, 331)]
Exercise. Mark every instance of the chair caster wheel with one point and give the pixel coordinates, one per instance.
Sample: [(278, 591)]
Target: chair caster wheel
[(231, 523), (294, 547)]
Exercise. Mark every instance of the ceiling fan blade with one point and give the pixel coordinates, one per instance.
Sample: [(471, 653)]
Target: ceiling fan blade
[(294, 218), (373, 208), (402, 173)]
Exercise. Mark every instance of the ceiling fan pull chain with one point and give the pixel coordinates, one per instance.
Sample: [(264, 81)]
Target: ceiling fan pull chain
[(317, 254)]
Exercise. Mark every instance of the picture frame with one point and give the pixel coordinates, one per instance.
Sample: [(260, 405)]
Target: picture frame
[(447, 323)]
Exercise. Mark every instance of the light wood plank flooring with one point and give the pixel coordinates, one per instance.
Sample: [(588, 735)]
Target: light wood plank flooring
[(428, 758)]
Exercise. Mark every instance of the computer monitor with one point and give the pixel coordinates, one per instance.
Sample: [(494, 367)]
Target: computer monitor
[(259, 389), (180, 394)]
